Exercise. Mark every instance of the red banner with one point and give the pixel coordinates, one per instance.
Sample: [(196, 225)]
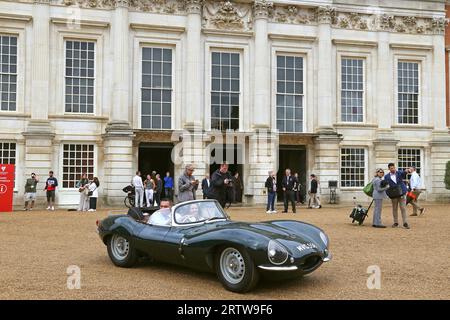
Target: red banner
[(6, 187)]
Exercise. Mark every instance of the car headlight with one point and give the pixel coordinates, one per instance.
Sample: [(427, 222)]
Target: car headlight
[(276, 252), (324, 238)]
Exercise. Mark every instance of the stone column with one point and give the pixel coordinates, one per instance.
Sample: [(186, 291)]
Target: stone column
[(39, 133), (261, 153), (384, 104), (261, 101), (119, 166), (325, 113), (193, 113)]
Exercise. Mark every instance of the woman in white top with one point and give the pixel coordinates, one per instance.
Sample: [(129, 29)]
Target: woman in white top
[(93, 191)]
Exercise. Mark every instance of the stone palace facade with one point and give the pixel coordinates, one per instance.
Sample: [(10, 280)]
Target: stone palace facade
[(333, 87)]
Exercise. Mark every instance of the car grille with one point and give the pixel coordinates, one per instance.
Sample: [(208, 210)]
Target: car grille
[(311, 263)]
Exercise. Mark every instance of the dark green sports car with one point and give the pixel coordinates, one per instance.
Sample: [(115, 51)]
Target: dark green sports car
[(199, 234)]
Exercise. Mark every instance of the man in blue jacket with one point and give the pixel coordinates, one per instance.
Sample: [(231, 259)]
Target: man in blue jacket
[(395, 178), (168, 186)]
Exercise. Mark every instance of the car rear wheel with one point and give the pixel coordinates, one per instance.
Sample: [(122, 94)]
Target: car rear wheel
[(121, 251), (236, 269)]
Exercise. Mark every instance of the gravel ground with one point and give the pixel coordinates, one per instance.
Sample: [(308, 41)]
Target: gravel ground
[(38, 246)]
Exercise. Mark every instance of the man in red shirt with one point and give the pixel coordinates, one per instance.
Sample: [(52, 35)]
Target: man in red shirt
[(50, 187)]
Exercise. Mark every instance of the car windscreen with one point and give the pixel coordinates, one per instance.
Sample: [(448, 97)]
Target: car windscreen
[(198, 212)]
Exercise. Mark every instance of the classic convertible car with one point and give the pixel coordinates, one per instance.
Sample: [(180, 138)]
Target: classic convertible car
[(200, 235)]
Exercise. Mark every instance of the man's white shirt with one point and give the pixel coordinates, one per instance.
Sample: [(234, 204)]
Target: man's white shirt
[(415, 182), (137, 182)]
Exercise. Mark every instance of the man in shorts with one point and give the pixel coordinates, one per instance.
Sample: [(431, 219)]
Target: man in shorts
[(50, 187), (30, 192)]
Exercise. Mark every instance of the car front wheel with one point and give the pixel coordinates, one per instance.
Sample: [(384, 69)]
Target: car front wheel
[(121, 251), (236, 269)]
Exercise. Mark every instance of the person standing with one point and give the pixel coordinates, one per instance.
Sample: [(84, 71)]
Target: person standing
[(379, 194), (187, 184), (271, 186), (168, 186), (314, 201), (238, 188), (158, 190), (221, 181), (297, 188), (395, 179), (205, 185), (415, 184), (149, 186), (288, 184), (50, 187), (93, 194), (30, 192), (138, 190), (82, 186)]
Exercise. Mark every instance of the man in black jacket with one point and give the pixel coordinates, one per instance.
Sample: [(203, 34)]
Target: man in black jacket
[(205, 185), (271, 186), (220, 185), (158, 190), (288, 184), (314, 201)]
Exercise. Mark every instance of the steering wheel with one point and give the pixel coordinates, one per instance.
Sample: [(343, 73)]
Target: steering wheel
[(188, 218)]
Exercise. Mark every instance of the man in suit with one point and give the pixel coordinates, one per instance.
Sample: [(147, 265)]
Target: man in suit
[(288, 184), (395, 178), (205, 185)]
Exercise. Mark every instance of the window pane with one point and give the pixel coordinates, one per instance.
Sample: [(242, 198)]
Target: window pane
[(77, 162), (289, 93), (352, 167), (352, 90), (157, 77)]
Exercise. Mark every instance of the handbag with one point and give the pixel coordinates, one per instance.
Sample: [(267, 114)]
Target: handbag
[(368, 189), (394, 192), (90, 193)]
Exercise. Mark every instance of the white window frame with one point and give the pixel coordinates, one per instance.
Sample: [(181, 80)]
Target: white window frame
[(96, 34), (364, 103), (241, 47), (419, 97), (425, 96), (171, 39), (304, 95), (61, 166), (95, 77), (366, 166), (230, 51), (422, 160), (10, 27), (143, 45), (301, 47)]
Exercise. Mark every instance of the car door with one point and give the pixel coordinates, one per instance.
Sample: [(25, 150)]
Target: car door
[(151, 241)]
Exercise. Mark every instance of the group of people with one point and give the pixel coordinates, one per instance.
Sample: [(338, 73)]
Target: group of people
[(292, 192), (223, 186), (151, 188), (396, 179), (88, 192)]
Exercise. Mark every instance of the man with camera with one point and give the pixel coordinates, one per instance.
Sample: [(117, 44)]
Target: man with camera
[(30, 192), (221, 185), (187, 184)]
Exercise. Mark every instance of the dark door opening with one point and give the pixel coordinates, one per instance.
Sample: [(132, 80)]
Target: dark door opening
[(156, 157), (232, 153), (294, 158)]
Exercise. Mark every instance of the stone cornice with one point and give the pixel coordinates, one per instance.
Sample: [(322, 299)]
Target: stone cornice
[(291, 37), (165, 28), (359, 43), (239, 15), (15, 17), (83, 23), (414, 46)]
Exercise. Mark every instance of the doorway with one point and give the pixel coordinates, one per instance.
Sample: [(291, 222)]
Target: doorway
[(155, 157), (294, 158)]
